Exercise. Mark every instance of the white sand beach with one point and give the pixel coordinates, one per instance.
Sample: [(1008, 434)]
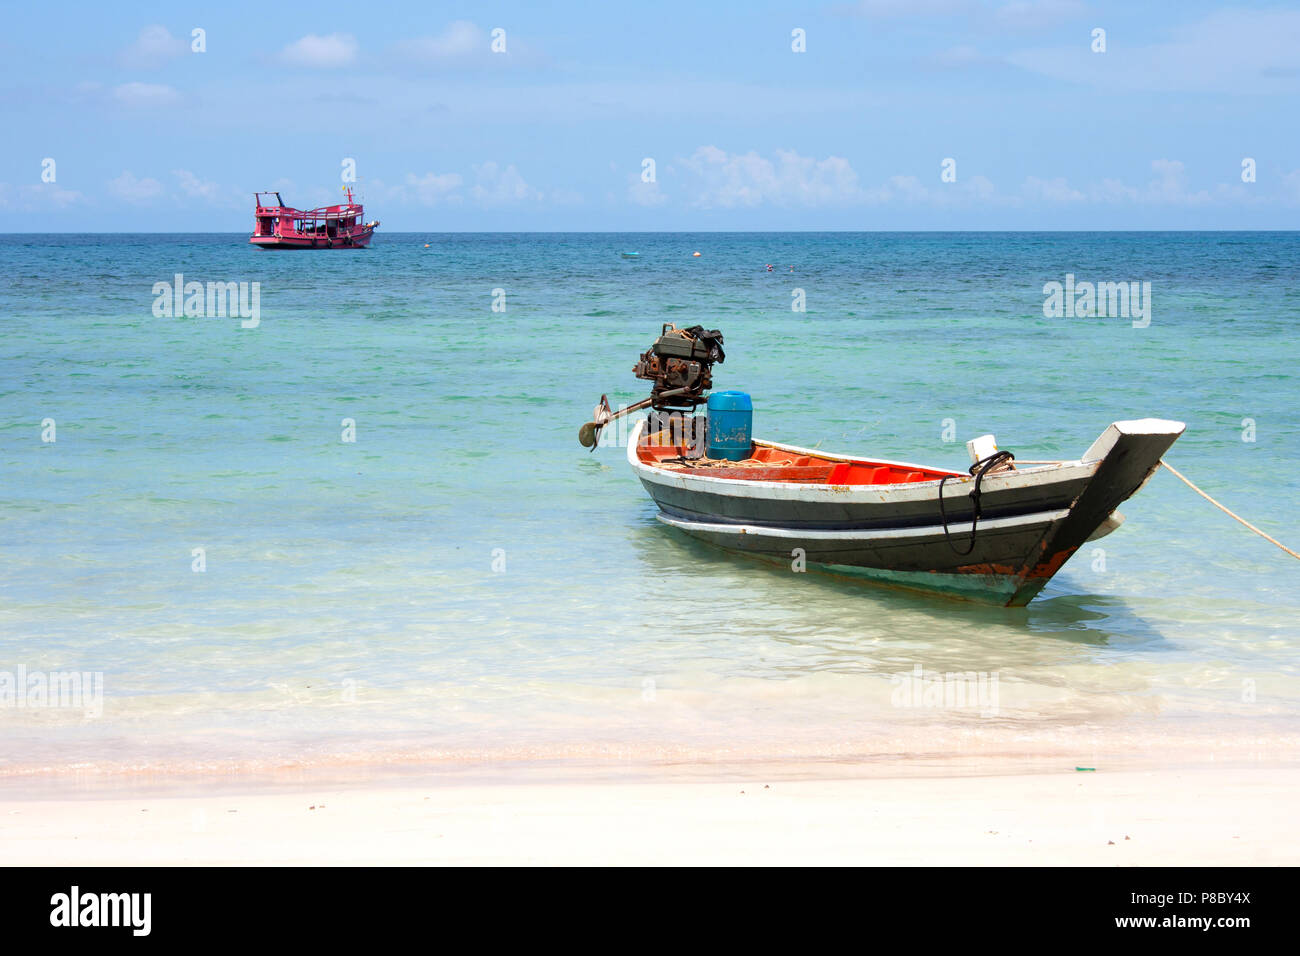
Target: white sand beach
[(1188, 817)]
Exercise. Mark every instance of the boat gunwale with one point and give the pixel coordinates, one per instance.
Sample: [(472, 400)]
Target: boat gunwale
[(897, 491)]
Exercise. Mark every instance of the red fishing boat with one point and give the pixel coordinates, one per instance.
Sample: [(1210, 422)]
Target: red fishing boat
[(329, 227)]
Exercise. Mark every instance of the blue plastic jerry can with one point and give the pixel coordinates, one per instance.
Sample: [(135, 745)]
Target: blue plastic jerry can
[(730, 430)]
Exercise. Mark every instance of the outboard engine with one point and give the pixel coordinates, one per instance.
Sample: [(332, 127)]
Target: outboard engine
[(680, 364)]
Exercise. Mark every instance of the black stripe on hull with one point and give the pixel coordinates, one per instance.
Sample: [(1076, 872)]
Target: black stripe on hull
[(924, 560), (834, 513)]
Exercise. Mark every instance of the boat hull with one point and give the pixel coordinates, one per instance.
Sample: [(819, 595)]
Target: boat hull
[(1031, 520), (916, 558), (358, 241)]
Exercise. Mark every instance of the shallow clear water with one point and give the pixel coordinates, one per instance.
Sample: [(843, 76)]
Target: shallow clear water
[(350, 604)]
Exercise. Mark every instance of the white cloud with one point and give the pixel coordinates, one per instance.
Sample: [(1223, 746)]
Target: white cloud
[(145, 94), (906, 188), (967, 190), (434, 188), (194, 187), (129, 189), (713, 178), (152, 48), (496, 186), (565, 197), (463, 44), (748, 180), (980, 187), (1169, 187), (42, 196), (1051, 190), (731, 181), (1113, 190), (1170, 184), (493, 184), (643, 193), (321, 52), (459, 41), (1237, 51), (1291, 185), (55, 195)]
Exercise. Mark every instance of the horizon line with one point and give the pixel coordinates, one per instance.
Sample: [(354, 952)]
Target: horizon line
[(719, 232)]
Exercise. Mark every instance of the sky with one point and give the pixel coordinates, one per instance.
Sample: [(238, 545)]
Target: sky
[(894, 115)]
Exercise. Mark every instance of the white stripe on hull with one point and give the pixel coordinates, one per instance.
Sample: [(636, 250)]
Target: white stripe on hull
[(865, 535)]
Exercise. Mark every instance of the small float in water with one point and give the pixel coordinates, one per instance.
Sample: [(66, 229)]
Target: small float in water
[(630, 255), (327, 227), (995, 533)]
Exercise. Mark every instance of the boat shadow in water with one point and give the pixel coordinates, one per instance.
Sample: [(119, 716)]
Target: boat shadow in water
[(1058, 614)]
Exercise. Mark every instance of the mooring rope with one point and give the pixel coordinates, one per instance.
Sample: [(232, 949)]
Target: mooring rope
[(977, 471), (1188, 483), (1185, 480)]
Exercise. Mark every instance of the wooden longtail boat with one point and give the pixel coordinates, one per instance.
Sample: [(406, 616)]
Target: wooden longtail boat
[(327, 227), (997, 535)]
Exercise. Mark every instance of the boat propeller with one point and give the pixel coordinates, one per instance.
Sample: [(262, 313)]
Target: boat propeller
[(602, 415)]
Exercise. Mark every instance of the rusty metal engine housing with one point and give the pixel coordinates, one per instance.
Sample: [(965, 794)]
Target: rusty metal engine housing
[(680, 364)]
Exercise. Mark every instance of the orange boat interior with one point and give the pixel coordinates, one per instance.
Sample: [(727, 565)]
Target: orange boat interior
[(776, 464)]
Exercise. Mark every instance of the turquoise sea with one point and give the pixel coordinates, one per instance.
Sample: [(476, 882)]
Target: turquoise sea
[(463, 582)]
